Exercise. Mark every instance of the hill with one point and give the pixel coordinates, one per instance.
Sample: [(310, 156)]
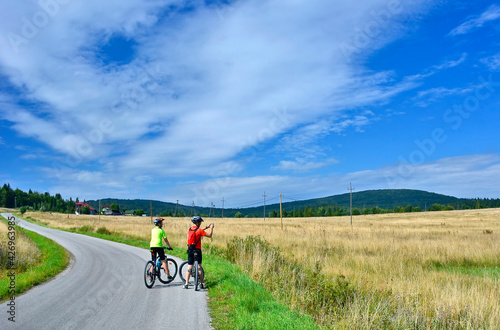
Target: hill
[(387, 199)]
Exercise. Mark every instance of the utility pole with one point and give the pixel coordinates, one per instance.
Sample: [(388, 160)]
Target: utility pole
[(99, 210), (281, 214), (350, 189), (15, 202), (222, 207), (151, 207), (176, 208), (264, 205)]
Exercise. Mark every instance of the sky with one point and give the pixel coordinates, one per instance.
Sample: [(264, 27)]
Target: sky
[(233, 102)]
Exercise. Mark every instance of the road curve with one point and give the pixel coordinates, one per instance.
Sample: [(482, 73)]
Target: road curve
[(103, 288)]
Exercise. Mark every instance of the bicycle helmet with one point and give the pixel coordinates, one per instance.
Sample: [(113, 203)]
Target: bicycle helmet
[(196, 219), (157, 221)]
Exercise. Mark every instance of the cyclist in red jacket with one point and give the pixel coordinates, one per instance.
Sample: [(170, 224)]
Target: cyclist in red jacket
[(195, 234)]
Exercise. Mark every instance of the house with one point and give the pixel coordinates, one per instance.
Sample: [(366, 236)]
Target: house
[(80, 205), (113, 212)]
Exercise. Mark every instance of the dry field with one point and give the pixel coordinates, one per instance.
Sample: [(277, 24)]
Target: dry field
[(436, 262), (26, 252)]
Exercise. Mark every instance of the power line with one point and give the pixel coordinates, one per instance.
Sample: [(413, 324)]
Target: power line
[(222, 207), (350, 189), (264, 205)]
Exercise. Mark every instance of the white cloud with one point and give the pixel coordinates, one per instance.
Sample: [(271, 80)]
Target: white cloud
[(438, 68), (302, 165), (464, 176), (429, 96), (491, 14)]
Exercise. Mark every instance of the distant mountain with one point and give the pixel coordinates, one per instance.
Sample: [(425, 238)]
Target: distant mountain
[(384, 199)]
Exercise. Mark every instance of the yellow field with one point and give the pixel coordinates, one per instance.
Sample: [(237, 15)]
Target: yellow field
[(396, 252)]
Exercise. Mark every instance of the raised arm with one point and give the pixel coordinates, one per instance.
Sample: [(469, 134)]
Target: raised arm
[(211, 230)]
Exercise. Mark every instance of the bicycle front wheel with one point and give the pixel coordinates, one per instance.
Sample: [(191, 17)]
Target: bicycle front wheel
[(182, 271), (149, 277), (196, 275), (172, 269)]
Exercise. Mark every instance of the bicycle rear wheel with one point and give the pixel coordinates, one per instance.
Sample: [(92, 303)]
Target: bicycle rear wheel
[(172, 268), (149, 277)]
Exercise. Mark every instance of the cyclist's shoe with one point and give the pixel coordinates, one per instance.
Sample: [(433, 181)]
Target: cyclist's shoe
[(185, 286), (201, 286), (170, 278)]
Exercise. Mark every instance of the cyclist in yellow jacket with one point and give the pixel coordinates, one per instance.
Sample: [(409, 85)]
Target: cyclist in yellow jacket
[(156, 245)]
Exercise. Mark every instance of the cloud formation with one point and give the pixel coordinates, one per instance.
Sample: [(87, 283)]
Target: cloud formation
[(202, 98), (491, 14), (201, 85)]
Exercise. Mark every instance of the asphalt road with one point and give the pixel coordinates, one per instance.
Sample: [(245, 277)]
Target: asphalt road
[(103, 288)]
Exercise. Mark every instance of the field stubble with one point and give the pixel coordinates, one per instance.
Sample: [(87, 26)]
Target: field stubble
[(436, 263)]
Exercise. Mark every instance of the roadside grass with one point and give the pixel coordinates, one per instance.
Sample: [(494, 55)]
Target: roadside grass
[(237, 302), (32, 268)]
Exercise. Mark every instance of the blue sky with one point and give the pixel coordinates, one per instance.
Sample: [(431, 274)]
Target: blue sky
[(200, 101)]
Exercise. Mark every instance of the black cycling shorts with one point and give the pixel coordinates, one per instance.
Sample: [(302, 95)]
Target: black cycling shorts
[(155, 250), (191, 256)]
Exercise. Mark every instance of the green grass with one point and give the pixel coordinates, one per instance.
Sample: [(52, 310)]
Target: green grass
[(54, 260), (237, 302), (467, 267)]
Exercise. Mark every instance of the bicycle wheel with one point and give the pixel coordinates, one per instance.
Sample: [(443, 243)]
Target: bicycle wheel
[(182, 272), (149, 277), (172, 268), (196, 275)]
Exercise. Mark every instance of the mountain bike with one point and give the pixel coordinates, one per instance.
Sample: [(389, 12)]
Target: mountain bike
[(158, 271), (196, 277)]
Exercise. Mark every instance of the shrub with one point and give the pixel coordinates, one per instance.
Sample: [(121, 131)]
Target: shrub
[(23, 209), (86, 228), (103, 230)]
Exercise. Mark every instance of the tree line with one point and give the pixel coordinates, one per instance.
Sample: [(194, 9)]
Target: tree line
[(330, 211), (34, 200)]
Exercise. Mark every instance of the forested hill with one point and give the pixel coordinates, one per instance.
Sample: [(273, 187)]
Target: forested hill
[(384, 198), (363, 201)]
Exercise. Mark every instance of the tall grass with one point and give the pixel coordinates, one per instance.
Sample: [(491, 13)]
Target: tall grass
[(334, 302), (26, 253), (301, 288)]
